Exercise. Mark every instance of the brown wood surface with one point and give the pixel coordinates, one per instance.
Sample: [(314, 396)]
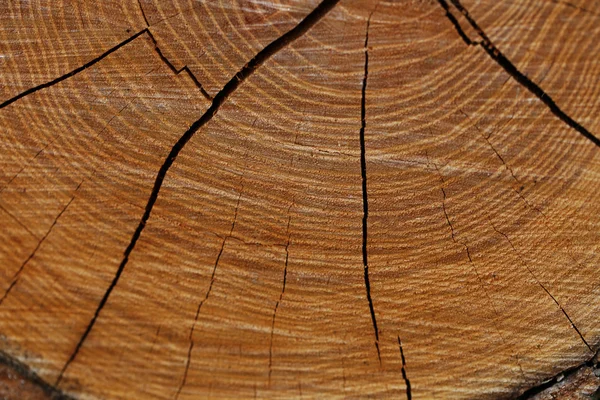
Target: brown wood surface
[(295, 199)]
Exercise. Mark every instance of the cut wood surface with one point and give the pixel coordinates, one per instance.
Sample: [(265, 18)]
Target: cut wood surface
[(299, 199)]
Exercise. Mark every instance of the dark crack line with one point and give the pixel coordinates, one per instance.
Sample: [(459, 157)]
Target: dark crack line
[(456, 24), (574, 6), (532, 391), (512, 173), (543, 287), (511, 69), (365, 197), (285, 269), (518, 192), (482, 285), (404, 376), (247, 70), (206, 295), (463, 244), (169, 64), (26, 373), (17, 275), (73, 72), (22, 225), (143, 13)]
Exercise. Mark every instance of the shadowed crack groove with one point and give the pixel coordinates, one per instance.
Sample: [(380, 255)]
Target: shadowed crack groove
[(287, 254), (592, 362), (404, 376), (212, 280), (17, 275), (363, 169), (26, 373), (511, 69), (169, 64), (74, 72), (247, 70), (543, 287), (104, 55)]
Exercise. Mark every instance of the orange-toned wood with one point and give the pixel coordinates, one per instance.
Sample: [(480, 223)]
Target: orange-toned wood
[(285, 199)]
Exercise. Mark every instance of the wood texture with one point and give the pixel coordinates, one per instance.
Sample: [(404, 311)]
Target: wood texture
[(300, 199)]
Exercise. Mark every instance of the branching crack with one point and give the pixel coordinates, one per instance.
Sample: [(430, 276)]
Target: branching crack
[(285, 269), (104, 55), (169, 64), (17, 274), (510, 68), (542, 286), (363, 168), (212, 280), (404, 376), (247, 70)]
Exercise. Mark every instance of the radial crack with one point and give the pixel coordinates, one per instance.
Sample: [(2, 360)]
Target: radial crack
[(491, 302), (73, 72), (169, 64), (453, 235), (543, 287), (17, 275), (518, 192), (510, 68), (247, 70), (363, 169), (404, 376), (285, 269), (212, 280)]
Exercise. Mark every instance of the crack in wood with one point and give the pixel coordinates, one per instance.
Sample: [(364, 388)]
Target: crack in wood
[(278, 303), (212, 280), (520, 186), (169, 64), (106, 54), (365, 197), (14, 218), (591, 362), (404, 375), (17, 275), (231, 86), (543, 287), (482, 286), (73, 72), (510, 68)]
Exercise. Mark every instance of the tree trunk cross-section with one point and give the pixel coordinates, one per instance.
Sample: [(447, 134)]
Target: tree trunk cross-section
[(299, 199)]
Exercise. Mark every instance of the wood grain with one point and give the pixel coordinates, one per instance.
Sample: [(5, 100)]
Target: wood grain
[(286, 199)]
